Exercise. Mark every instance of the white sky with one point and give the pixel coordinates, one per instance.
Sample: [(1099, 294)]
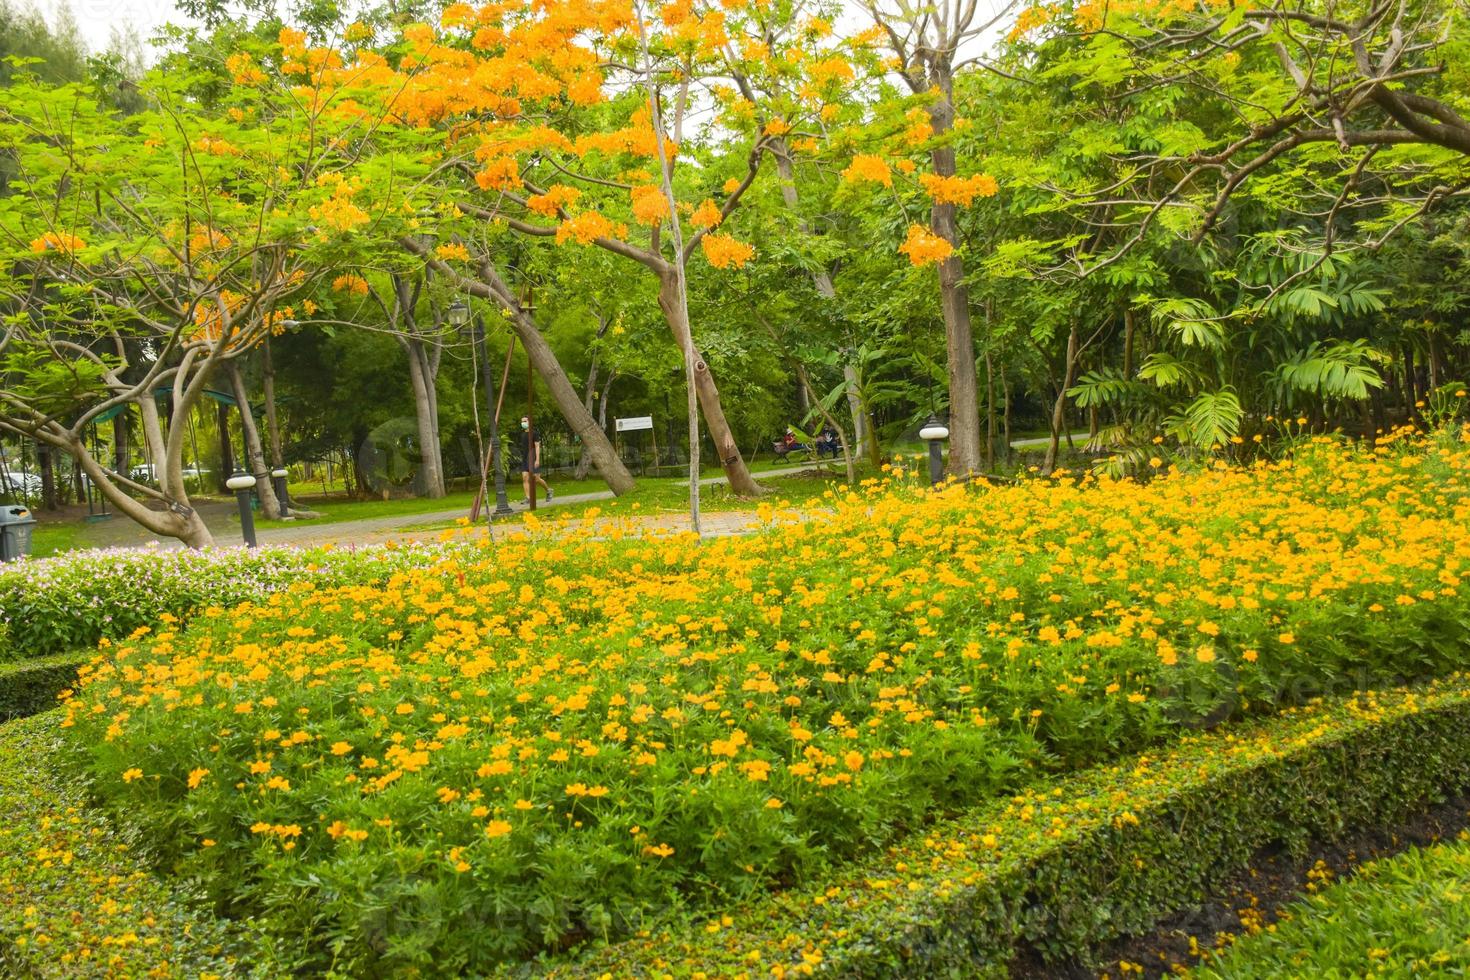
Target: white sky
[(98, 19)]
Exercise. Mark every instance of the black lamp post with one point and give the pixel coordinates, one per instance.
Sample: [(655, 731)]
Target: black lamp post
[(242, 484), (935, 433), (458, 316)]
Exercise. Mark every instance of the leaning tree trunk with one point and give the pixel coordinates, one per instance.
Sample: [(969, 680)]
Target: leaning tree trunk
[(270, 508), (736, 472), (954, 298), (806, 384), (594, 440), (589, 394), (491, 286), (181, 521)]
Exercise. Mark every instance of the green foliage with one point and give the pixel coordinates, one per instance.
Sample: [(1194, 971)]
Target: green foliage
[(76, 898), (53, 387), (1341, 369), (373, 797), (1401, 916), (1208, 422), (1073, 863), (31, 686), (77, 600)]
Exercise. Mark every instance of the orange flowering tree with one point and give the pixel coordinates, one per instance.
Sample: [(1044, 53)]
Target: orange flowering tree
[(573, 124), (146, 255)]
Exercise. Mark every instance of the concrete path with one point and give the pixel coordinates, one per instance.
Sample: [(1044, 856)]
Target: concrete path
[(118, 532), (220, 516)]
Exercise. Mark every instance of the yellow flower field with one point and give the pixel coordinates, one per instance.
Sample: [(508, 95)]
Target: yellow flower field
[(525, 746)]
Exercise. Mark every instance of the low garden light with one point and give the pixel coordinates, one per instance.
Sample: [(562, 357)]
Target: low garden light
[(242, 484), (935, 433), (278, 483)]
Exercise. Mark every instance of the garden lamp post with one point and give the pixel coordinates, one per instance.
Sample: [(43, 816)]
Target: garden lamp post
[(934, 433), (458, 316), (278, 481), (242, 484)]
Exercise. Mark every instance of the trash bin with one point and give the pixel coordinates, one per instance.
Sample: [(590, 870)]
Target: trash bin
[(16, 525)]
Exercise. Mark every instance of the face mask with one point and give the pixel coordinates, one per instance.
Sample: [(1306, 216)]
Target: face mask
[(525, 424)]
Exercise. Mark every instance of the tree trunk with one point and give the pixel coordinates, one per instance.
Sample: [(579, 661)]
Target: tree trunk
[(270, 508), (181, 521), (989, 410), (226, 447), (738, 474), (806, 384), (1005, 412), (1411, 387), (431, 390), (431, 475), (1059, 408), (862, 424), (120, 450), (492, 287), (273, 431), (47, 467), (954, 297)]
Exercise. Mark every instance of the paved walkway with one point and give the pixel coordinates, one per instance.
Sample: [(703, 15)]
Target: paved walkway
[(221, 519), (220, 516)]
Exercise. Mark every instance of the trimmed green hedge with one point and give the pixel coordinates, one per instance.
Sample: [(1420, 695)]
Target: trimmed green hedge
[(1406, 915), (75, 900), (1088, 858), (31, 686)]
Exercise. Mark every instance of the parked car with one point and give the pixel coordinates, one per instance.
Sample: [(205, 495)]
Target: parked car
[(23, 484)]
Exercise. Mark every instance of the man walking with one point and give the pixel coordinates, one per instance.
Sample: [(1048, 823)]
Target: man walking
[(531, 459)]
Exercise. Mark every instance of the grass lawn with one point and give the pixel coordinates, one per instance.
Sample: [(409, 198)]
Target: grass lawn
[(53, 537), (1403, 916), (654, 493), (671, 496)]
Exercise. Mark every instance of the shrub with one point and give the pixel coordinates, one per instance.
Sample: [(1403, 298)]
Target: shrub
[(1407, 915), (74, 600), (1082, 860), (75, 902), (563, 738), (32, 686)]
